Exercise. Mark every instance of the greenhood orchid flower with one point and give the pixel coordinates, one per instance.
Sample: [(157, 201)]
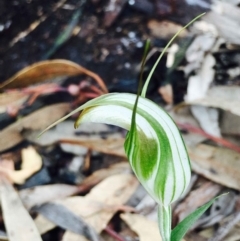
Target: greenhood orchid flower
[(153, 145), (155, 151)]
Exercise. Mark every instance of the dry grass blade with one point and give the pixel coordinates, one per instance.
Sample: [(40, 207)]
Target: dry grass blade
[(18, 222), (46, 70)]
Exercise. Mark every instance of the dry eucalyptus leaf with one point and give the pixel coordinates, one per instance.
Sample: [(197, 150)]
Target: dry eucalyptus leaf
[(199, 84), (165, 29), (18, 222), (225, 25), (112, 146), (207, 118), (218, 164), (15, 98), (224, 97), (166, 92), (43, 225), (31, 163), (39, 195), (184, 116), (46, 70), (230, 124), (69, 236), (99, 175), (64, 218), (146, 229), (99, 206), (38, 120)]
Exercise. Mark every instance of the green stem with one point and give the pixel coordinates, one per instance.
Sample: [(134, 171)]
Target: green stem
[(165, 221)]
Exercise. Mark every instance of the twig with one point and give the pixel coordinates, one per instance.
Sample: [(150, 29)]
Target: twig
[(113, 234)]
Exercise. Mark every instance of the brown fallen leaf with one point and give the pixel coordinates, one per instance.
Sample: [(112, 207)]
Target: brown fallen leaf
[(13, 99), (38, 120), (31, 163), (166, 92), (112, 146), (164, 29), (99, 175), (49, 69), (70, 236), (146, 229), (64, 218), (94, 207), (97, 207), (43, 225), (42, 194), (224, 97), (218, 164), (18, 222)]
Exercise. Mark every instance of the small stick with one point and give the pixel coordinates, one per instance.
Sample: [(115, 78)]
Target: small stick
[(114, 234)]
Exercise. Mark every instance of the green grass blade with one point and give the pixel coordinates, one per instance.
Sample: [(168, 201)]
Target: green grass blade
[(181, 229), (144, 90)]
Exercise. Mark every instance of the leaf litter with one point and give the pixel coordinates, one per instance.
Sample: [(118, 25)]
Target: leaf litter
[(209, 120)]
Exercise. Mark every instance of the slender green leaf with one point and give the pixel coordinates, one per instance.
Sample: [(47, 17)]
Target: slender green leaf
[(144, 91), (181, 229)]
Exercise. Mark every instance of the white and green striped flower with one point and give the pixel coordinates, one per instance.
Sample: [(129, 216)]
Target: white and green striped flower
[(156, 151), (154, 147)]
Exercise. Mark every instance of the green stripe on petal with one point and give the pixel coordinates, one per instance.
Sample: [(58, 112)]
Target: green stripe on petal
[(154, 147)]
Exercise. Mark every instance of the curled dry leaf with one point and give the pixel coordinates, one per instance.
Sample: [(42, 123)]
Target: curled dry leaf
[(49, 69), (31, 163), (18, 222), (40, 119)]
